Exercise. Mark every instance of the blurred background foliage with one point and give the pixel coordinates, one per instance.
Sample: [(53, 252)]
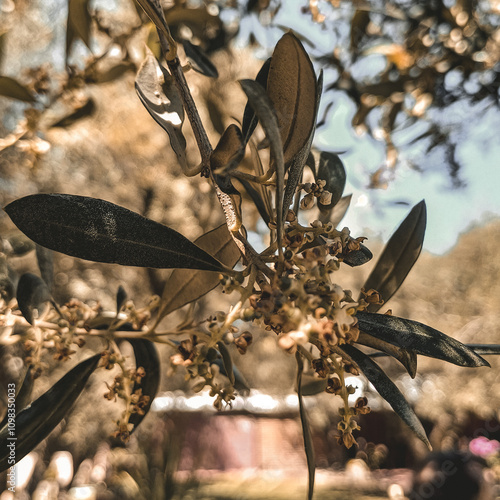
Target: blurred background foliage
[(71, 122)]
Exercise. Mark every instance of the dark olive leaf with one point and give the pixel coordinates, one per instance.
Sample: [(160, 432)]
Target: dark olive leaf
[(331, 169), (338, 212), (297, 163), (185, 285), (292, 87), (146, 356), (100, 231), (359, 23), (32, 293), (78, 24), (358, 257), (45, 260), (163, 102), (267, 117), (419, 338), (229, 151), (13, 89), (306, 430), (240, 383), (121, 297), (312, 385), (202, 64), (84, 111), (226, 361), (388, 390), (407, 358), (23, 395), (399, 255), (250, 121), (257, 200), (35, 422)]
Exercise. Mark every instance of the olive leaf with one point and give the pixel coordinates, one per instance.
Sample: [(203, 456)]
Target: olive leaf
[(202, 64), (146, 356), (35, 422), (306, 429), (45, 260), (399, 255), (87, 109), (407, 358), (485, 349), (229, 151), (31, 293), (13, 89), (121, 297), (186, 285), (338, 212), (163, 102), (292, 88), (226, 361), (100, 231), (331, 169), (78, 24), (250, 121), (419, 338), (257, 200), (388, 390), (267, 117)]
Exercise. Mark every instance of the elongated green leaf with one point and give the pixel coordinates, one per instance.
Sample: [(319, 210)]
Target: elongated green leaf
[(163, 102), (100, 231), (78, 25), (31, 293), (388, 390), (202, 64), (331, 169), (297, 163), (399, 255), (13, 89), (146, 356), (185, 286), (267, 117), (35, 422), (226, 361), (306, 430), (250, 121), (292, 87), (407, 358), (419, 338)]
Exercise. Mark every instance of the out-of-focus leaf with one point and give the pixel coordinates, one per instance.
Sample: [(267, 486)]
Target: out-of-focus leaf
[(184, 286), (199, 20), (306, 430), (388, 390), (163, 102), (13, 89), (45, 260), (100, 231), (358, 257), (297, 163), (121, 297), (331, 169), (292, 88), (153, 11), (399, 255), (35, 422), (202, 64), (20, 244), (419, 338), (115, 72), (338, 212), (407, 358), (88, 109), (263, 107), (250, 121), (146, 356), (229, 151), (23, 395), (226, 361), (312, 385), (359, 23), (31, 293), (78, 24), (257, 199)]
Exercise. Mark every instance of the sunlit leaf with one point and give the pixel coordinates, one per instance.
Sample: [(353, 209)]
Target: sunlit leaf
[(157, 91), (185, 286), (32, 293), (419, 338), (78, 24), (229, 151), (399, 255), (13, 89), (146, 356), (200, 60), (36, 421), (306, 430), (331, 169), (388, 390), (292, 88), (100, 231)]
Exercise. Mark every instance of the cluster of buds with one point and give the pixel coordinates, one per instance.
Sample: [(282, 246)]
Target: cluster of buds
[(315, 190), (347, 425)]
